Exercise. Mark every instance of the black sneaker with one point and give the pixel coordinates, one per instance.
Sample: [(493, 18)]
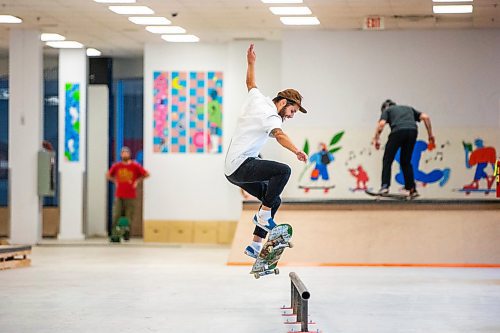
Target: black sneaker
[(414, 194), (383, 191)]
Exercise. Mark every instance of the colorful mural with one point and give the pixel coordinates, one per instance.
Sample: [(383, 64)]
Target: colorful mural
[(160, 112), (72, 122), (178, 128), (188, 113), (197, 94), (460, 165), (318, 165), (478, 157), (214, 82), (440, 176), (361, 177)]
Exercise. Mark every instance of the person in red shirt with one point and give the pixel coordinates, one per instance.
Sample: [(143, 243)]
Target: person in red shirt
[(125, 174)]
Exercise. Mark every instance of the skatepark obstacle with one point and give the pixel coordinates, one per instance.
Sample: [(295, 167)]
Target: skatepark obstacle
[(14, 256), (299, 300)]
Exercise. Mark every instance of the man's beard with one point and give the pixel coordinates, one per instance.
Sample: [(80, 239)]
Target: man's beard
[(281, 113), (125, 159)]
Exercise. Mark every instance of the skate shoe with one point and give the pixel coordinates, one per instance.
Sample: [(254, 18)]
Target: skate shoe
[(266, 225), (251, 252)]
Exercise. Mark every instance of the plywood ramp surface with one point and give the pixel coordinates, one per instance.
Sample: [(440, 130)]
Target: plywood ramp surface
[(378, 237)]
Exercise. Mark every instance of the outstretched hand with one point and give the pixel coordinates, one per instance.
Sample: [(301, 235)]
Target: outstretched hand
[(376, 143), (301, 156), (251, 56)]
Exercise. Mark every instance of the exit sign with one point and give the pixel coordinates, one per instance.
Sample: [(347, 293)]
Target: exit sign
[(373, 23)]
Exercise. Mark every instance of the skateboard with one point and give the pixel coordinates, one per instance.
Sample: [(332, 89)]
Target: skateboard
[(122, 230), (277, 242), (325, 189), (395, 196), (486, 191)]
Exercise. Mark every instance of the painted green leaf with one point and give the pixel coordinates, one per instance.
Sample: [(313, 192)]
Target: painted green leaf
[(68, 86), (306, 147), (334, 150), (336, 138), (76, 96), (76, 127), (68, 156)]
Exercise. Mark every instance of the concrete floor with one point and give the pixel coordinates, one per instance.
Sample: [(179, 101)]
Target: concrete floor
[(134, 288)]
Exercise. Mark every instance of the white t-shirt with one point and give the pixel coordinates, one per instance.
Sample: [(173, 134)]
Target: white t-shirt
[(258, 118)]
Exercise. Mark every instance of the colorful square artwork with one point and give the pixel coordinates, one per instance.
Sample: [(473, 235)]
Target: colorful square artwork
[(178, 112), (160, 112), (214, 111), (187, 112), (72, 122)]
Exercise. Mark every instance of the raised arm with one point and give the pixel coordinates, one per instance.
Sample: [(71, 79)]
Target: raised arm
[(378, 131), (427, 122), (251, 67), (285, 142)]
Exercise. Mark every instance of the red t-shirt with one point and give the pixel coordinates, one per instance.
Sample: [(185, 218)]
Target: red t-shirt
[(126, 174)]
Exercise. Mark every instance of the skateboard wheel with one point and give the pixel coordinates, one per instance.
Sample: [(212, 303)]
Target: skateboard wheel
[(290, 244), (256, 275), (276, 271)]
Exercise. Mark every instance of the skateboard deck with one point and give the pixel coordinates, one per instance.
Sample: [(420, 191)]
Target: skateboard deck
[(474, 190), (121, 230), (394, 196), (277, 242)]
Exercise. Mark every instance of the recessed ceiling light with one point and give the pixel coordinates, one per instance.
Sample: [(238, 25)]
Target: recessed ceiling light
[(9, 19), (91, 52), (282, 1), (170, 29), (115, 1), (67, 44), (181, 38), (290, 10), (300, 20), (131, 10), (458, 9), (48, 37), (149, 20)]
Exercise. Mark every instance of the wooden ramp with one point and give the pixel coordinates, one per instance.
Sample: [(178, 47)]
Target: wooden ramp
[(14, 256), (383, 235)]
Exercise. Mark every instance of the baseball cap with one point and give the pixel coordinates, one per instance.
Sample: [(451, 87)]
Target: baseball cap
[(293, 96)]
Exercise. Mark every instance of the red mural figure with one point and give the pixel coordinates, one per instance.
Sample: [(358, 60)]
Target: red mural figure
[(497, 176), (361, 178), (480, 157)]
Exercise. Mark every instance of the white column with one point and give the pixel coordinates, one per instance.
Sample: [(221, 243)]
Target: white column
[(72, 141), (97, 159), (25, 134)]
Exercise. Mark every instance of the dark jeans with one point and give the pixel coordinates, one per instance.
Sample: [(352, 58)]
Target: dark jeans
[(404, 139), (263, 179)]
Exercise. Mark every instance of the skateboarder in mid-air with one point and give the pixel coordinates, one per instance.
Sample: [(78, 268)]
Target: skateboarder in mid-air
[(404, 130), (260, 119)]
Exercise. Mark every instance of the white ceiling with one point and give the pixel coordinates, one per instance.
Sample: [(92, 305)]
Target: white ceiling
[(94, 25)]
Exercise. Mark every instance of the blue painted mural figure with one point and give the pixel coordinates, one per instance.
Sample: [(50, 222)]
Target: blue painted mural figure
[(321, 159), (319, 162), (480, 157), (434, 176)]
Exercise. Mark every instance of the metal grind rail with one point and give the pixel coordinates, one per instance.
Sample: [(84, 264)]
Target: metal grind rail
[(300, 297)]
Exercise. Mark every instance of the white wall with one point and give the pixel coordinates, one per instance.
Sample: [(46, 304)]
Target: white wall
[(97, 158), (345, 76), (193, 186)]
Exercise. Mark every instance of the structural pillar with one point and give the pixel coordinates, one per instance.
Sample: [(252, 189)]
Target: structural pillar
[(25, 134), (72, 141)]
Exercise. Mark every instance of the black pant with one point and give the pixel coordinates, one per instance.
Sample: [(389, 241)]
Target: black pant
[(263, 179), (404, 139)]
